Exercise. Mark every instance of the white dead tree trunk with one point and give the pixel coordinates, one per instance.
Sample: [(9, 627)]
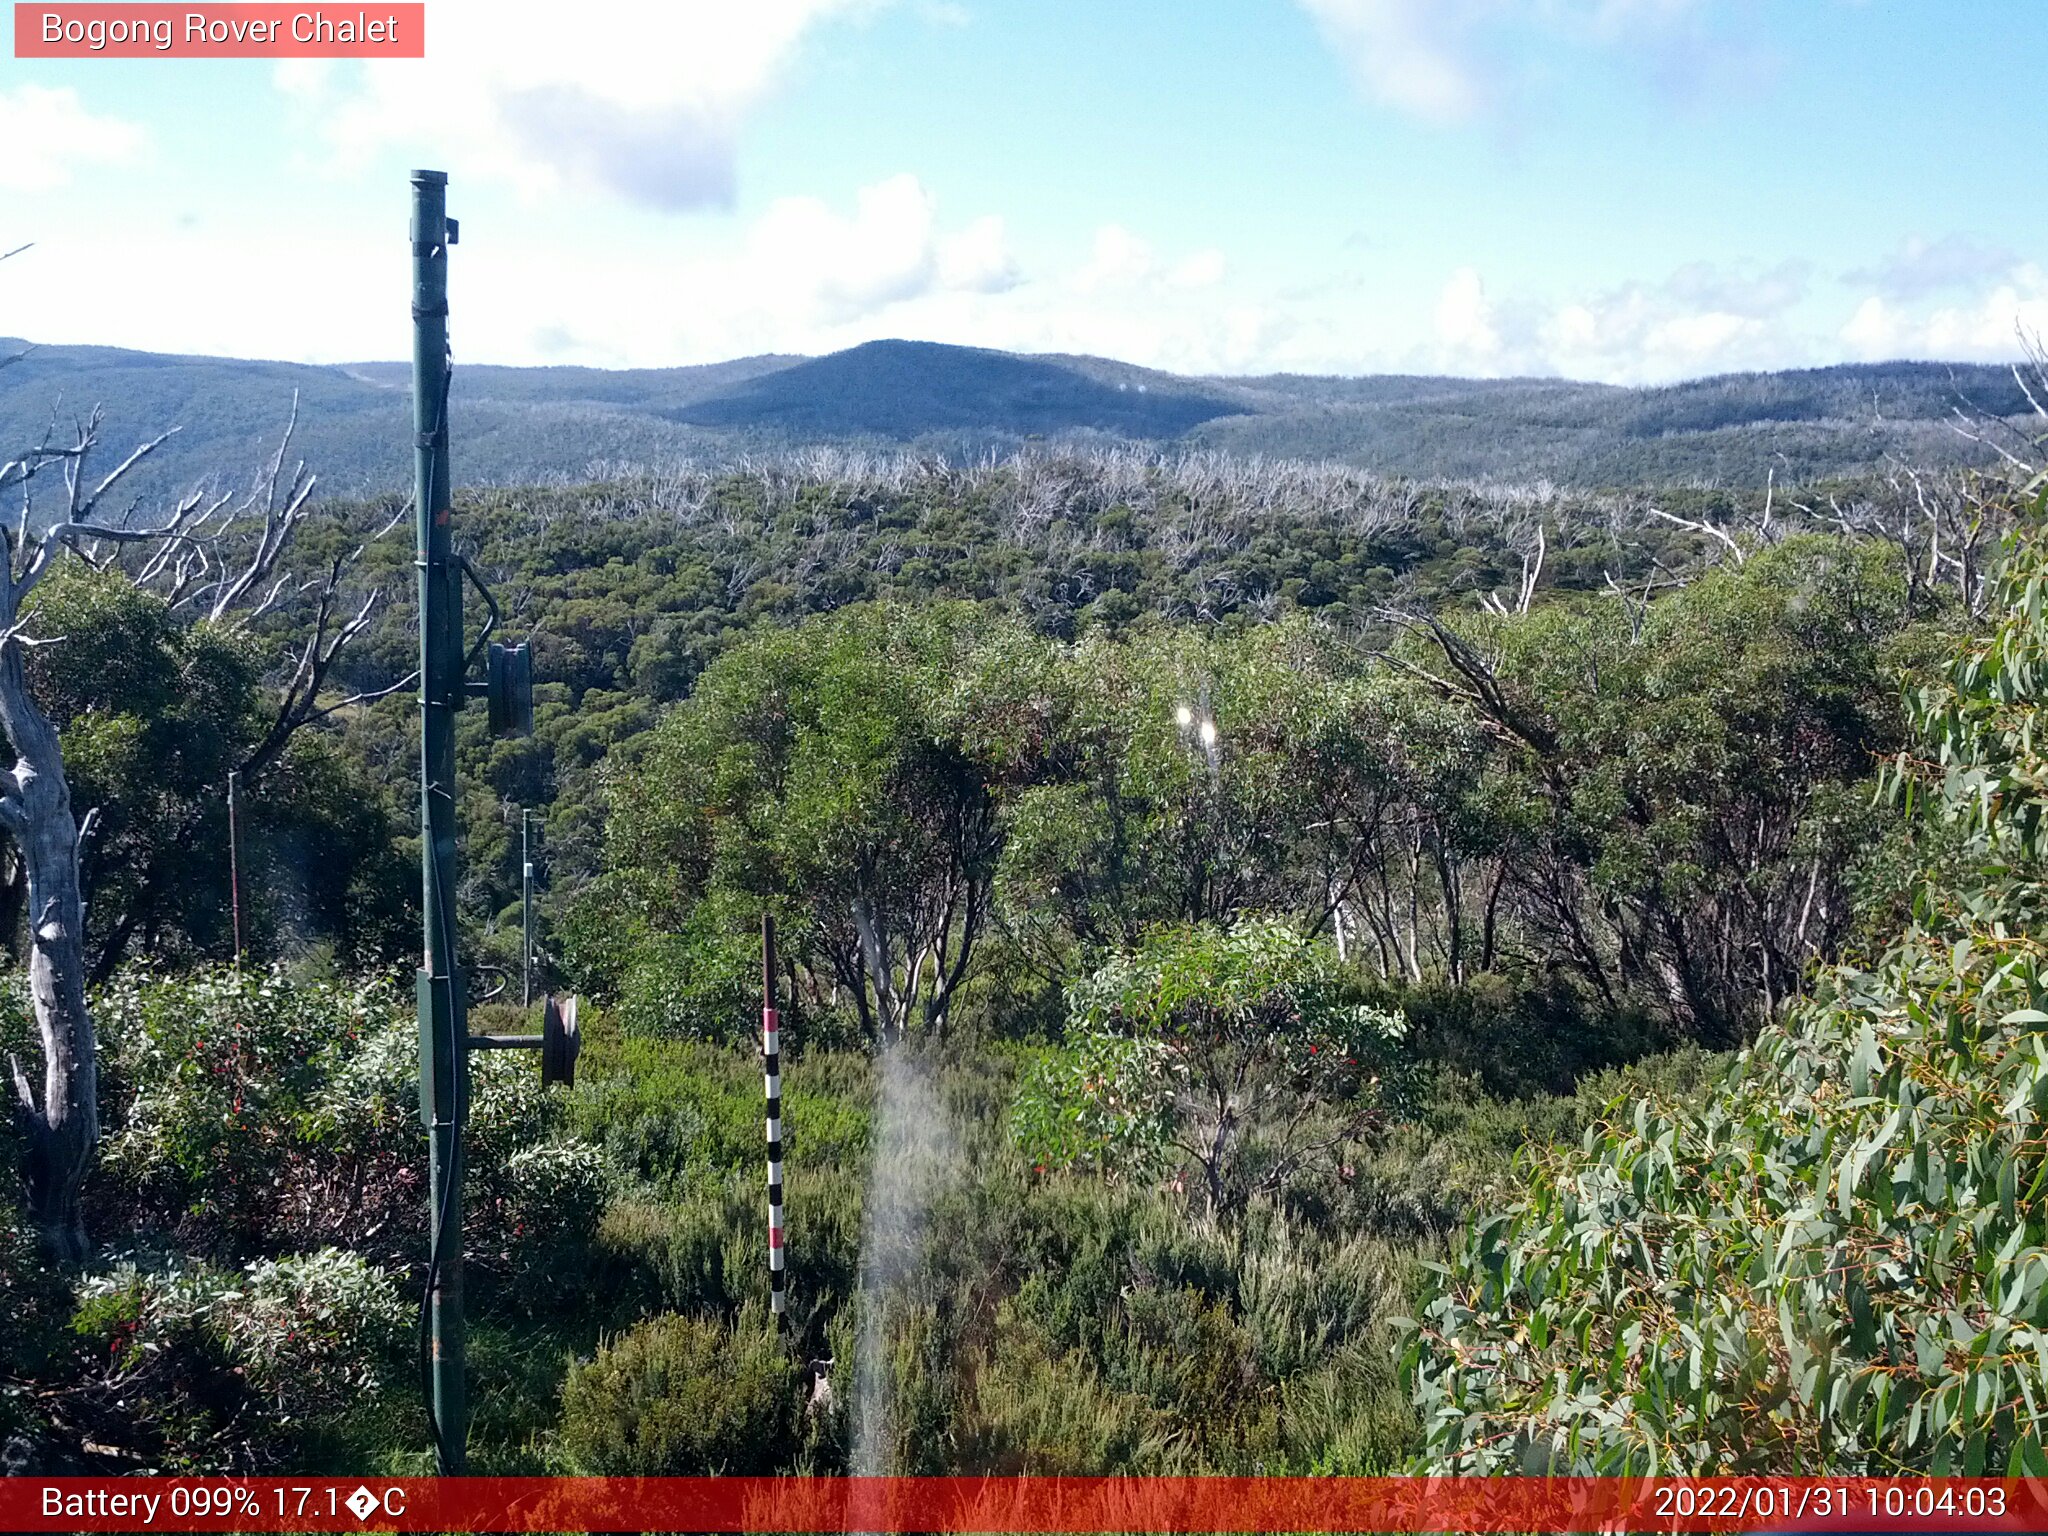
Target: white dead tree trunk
[(200, 556), (1532, 572), (62, 1126)]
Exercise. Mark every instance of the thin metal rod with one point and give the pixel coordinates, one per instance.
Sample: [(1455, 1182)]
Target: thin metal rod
[(235, 859), (771, 1064), (507, 1042), (526, 909)]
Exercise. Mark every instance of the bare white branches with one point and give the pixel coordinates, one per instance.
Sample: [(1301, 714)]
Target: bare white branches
[(1636, 605), (1532, 572), (282, 506), (28, 554), (1712, 530), (215, 556), (301, 700)]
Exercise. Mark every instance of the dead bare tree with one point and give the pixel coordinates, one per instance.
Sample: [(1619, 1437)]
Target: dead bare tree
[(35, 809), (208, 556), (1532, 572), (1636, 605)]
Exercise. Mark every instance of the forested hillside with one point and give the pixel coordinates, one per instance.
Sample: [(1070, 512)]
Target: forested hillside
[(526, 426), (1209, 892)]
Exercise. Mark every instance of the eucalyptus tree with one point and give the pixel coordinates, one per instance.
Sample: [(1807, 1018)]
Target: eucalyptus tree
[(1194, 774), (214, 559), (840, 773), (1680, 795), (1235, 1050), (1836, 1257)]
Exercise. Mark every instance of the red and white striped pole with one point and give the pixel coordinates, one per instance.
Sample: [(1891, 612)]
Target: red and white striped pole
[(771, 1062)]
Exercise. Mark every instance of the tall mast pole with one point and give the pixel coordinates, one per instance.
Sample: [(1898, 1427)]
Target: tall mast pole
[(443, 1033)]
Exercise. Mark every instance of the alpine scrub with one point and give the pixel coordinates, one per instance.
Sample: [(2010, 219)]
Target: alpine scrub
[(1236, 1052), (1838, 1260)]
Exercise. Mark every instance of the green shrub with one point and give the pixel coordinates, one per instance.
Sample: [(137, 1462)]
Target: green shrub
[(1837, 1257), (1187, 1356), (1349, 1417), (545, 1221), (1238, 1051), (1101, 1105), (677, 1113), (314, 1330), (683, 1397), (701, 981), (706, 1253), (211, 1367), (33, 1301), (1431, 1175), (703, 1254), (216, 1089), (251, 1113), (1039, 1410), (1519, 1037)]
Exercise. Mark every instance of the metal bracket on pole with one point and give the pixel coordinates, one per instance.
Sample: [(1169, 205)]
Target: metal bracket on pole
[(559, 1042)]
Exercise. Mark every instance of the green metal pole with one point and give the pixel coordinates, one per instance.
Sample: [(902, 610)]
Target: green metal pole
[(444, 1064)]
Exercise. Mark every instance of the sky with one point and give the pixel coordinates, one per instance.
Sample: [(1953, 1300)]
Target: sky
[(1633, 191)]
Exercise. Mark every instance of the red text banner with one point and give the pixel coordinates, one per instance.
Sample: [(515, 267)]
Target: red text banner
[(1018, 1504), (220, 31)]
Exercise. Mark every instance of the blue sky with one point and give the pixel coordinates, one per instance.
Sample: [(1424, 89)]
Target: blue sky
[(1631, 190)]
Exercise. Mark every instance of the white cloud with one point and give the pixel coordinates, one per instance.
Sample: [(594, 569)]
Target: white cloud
[(1204, 269), (1702, 319), (1465, 330), (1640, 334), (1413, 55), (1120, 259), (814, 274), (642, 101), (808, 277), (1874, 329), (978, 259), (46, 133), (1987, 328), (830, 267), (1755, 295), (897, 269), (1919, 267), (1447, 61)]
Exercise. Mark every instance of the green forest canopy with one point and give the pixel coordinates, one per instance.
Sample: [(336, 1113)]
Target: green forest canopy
[(1503, 790)]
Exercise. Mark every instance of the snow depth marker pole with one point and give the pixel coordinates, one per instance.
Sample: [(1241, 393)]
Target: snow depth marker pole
[(771, 1066)]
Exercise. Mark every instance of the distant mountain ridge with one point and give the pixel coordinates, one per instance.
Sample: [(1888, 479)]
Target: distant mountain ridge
[(550, 424), (909, 389)]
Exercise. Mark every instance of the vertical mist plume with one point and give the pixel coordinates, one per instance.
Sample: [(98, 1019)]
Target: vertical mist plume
[(913, 1148)]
